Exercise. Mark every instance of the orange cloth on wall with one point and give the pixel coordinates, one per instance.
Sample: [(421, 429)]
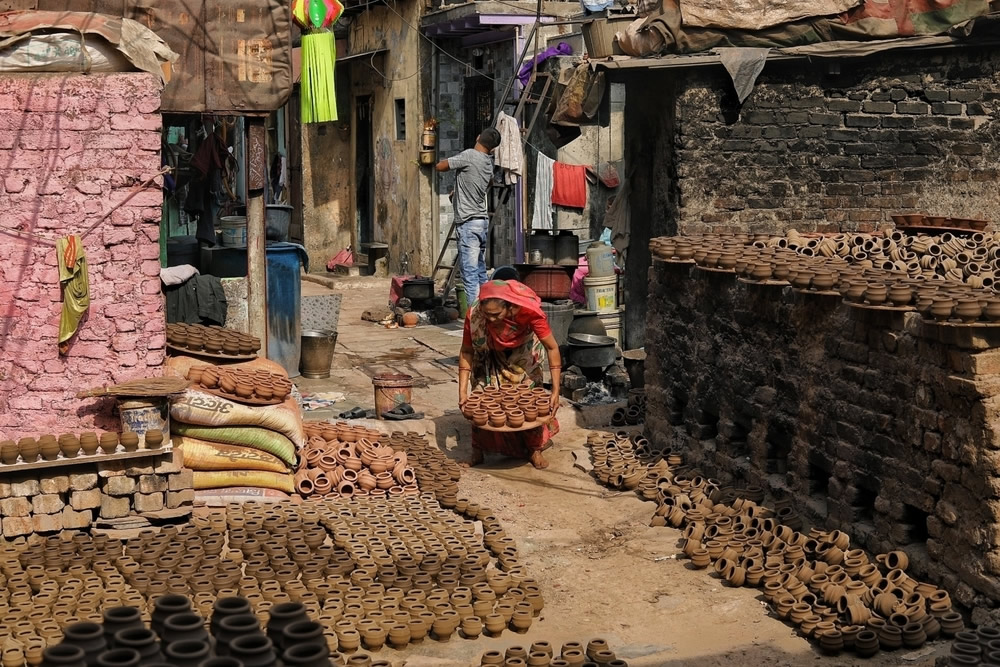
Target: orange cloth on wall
[(569, 185)]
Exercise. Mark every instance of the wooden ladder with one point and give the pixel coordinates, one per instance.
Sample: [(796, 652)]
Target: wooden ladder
[(543, 79)]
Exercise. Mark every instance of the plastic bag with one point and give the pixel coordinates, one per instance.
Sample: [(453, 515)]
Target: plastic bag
[(343, 258)]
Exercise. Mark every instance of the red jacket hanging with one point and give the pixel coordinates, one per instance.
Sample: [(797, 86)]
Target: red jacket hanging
[(569, 185)]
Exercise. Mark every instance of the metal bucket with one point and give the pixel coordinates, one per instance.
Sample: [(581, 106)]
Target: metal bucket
[(391, 390), (317, 353)]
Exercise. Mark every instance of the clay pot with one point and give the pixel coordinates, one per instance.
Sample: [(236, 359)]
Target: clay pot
[(968, 310), (185, 626), (153, 439), (165, 606), (29, 448), (410, 320), (900, 295), (515, 418), (87, 636), (253, 650), (8, 452), (480, 417), (121, 618), (186, 652), (302, 633), (897, 560), (231, 627), (244, 389), (942, 308), (129, 440), (305, 655), (497, 418), (227, 383), (109, 443), (64, 655), (876, 294), (139, 639)]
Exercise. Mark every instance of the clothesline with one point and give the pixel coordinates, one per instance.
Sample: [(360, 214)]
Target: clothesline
[(51, 242)]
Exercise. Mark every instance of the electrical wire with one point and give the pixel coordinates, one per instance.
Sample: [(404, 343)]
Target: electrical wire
[(387, 79)]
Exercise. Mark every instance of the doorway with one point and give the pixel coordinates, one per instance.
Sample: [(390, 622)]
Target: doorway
[(364, 176)]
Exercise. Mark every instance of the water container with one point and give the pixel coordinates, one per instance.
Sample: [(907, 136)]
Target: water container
[(602, 293), (567, 248), (545, 243), (613, 324), (284, 297), (560, 316), (601, 260), (277, 219), (234, 230)]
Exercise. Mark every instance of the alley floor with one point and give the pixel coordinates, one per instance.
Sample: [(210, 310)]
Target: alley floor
[(604, 572)]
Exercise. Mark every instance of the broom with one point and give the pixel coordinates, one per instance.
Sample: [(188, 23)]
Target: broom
[(319, 95)]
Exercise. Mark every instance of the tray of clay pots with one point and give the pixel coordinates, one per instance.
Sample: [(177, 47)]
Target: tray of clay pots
[(959, 324), (240, 385), (210, 355), (212, 342), (527, 426)]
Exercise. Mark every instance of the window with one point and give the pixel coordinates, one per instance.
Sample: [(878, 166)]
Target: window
[(400, 120)]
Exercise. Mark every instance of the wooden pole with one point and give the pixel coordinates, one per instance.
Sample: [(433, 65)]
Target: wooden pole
[(256, 234)]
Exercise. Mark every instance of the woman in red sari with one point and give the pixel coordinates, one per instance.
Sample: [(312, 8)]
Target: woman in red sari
[(505, 334)]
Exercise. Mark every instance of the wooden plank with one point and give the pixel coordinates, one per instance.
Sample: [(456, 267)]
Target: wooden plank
[(17, 468), (256, 236)]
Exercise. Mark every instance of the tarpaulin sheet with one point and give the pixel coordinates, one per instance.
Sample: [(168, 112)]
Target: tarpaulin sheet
[(885, 19), (756, 14), (235, 55)]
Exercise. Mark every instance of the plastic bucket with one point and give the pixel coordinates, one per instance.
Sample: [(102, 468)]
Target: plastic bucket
[(602, 293), (391, 390), (613, 324), (234, 230), (317, 353), (560, 316), (601, 260)]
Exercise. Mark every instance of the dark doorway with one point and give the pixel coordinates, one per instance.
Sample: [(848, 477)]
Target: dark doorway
[(364, 167), (478, 107)]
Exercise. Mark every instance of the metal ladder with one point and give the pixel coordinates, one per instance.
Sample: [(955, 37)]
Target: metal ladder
[(529, 96)]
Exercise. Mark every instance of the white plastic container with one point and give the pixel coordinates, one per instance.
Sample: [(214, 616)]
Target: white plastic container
[(601, 293), (613, 324), (601, 260), (234, 230)]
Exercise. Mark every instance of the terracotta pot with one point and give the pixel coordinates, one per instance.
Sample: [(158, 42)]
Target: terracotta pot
[(167, 605), (153, 439), (304, 655), (187, 652), (9, 452), (64, 655), (515, 418), (480, 417), (231, 627), (185, 626), (109, 443), (129, 440), (69, 446), (87, 636)]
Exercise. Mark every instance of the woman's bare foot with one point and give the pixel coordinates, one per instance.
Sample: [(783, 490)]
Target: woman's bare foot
[(477, 457), (538, 461)]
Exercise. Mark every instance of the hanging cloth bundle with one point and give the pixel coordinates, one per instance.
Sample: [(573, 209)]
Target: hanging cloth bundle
[(75, 285), (319, 56)]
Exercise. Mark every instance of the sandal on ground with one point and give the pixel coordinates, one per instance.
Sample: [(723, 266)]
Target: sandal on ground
[(353, 413), (401, 412)]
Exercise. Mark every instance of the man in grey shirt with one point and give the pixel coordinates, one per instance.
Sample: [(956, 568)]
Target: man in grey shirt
[(474, 170)]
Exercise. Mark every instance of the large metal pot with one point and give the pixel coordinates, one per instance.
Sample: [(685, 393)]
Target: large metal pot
[(592, 356)]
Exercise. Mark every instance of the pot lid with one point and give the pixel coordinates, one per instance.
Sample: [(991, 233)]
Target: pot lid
[(589, 340)]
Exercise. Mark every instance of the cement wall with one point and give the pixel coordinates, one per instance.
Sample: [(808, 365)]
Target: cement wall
[(328, 216), (71, 147)]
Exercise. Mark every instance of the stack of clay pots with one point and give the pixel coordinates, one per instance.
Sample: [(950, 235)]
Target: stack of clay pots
[(436, 473), (634, 411), (573, 654), (241, 384), (339, 462), (944, 278), (369, 570), (836, 595), (976, 647), (48, 447), (214, 340), (510, 405)]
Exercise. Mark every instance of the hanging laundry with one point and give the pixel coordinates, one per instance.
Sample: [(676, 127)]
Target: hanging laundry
[(508, 154), (72, 260), (569, 185), (541, 217)]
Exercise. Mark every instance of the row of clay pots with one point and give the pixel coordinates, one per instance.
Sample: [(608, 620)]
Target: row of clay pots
[(572, 654), (241, 383), (49, 448), (216, 340), (634, 411), (511, 406), (835, 594)]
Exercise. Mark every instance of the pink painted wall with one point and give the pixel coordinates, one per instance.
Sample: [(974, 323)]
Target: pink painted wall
[(71, 147)]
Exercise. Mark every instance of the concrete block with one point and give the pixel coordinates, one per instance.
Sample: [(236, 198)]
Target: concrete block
[(177, 499), (5, 489), (136, 471), (148, 502), (15, 507), (54, 484), (170, 464), (114, 508), (85, 500), (119, 486), (25, 487), (47, 503), (14, 526), (72, 519), (152, 484), (111, 469), (47, 523), (182, 480), (83, 481)]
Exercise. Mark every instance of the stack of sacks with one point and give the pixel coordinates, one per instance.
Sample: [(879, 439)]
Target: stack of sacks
[(231, 445)]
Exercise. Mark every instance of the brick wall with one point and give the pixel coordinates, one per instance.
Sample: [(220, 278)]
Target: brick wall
[(71, 147), (869, 422), (812, 150)]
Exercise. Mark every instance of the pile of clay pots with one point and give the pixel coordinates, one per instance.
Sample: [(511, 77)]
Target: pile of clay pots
[(634, 411), (48, 447), (178, 635), (511, 405), (241, 384), (214, 340), (436, 474), (365, 568), (573, 654), (976, 647), (836, 595), (352, 466), (944, 278)]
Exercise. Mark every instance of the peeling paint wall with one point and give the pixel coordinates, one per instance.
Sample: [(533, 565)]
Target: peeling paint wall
[(326, 190)]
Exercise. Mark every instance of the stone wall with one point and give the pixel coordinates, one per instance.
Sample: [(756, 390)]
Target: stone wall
[(870, 422), (71, 147), (906, 132)]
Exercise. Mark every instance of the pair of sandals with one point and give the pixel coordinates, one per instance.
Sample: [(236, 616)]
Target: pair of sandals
[(401, 412)]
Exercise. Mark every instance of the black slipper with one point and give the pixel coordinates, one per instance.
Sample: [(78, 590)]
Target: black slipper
[(401, 412), (353, 413)]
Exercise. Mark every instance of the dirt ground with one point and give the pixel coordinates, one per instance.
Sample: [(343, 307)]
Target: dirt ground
[(603, 570)]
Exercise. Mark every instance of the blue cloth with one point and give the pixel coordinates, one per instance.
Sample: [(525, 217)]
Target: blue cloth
[(472, 256), (560, 49)]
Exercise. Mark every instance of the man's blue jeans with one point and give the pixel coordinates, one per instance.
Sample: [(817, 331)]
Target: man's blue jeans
[(472, 256)]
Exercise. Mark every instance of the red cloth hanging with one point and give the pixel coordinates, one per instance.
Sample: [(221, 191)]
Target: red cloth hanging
[(569, 185)]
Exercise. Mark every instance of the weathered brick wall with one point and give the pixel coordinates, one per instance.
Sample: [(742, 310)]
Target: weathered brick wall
[(71, 147), (811, 150), (870, 422)]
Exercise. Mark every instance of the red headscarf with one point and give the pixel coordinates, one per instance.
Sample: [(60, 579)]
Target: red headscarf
[(508, 333)]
